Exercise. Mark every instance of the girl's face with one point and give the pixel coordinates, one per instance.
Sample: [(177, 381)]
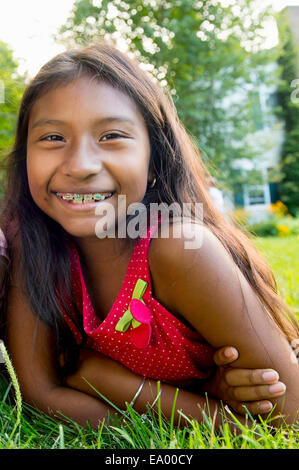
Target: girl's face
[(86, 138)]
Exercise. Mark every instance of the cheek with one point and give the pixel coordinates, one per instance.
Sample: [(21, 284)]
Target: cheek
[(134, 180), (133, 171), (34, 180), (38, 177)]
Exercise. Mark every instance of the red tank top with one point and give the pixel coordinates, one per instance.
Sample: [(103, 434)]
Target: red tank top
[(138, 331)]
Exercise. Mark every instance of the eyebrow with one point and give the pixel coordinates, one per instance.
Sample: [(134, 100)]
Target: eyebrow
[(105, 120)]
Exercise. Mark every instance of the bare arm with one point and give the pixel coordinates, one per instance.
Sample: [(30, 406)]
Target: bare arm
[(236, 387), (119, 385), (210, 292), (31, 345)]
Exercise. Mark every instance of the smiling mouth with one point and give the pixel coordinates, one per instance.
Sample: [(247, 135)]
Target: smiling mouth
[(75, 198)]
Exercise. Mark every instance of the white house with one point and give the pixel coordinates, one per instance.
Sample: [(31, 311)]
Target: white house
[(266, 143), (269, 135)]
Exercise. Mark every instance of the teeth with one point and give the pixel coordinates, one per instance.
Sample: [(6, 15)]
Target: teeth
[(87, 197), (67, 197), (79, 198)]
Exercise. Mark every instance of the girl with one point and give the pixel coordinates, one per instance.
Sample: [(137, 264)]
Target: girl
[(121, 312)]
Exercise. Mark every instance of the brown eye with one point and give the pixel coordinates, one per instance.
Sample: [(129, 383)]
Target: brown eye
[(52, 138), (111, 134)]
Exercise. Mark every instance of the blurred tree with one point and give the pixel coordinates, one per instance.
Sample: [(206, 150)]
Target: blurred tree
[(289, 112), (12, 85), (202, 51), (11, 88)]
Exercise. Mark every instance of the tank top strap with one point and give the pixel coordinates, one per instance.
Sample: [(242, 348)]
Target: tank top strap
[(138, 266)]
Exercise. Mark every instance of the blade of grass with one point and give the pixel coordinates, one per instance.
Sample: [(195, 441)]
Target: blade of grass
[(160, 414), (15, 383), (125, 435), (104, 398), (172, 413), (61, 437), (6, 393), (100, 434)]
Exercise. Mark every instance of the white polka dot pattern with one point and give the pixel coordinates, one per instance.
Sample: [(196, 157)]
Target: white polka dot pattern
[(176, 353)]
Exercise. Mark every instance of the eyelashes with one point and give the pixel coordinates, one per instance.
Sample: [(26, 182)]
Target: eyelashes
[(52, 137), (48, 138), (115, 134)]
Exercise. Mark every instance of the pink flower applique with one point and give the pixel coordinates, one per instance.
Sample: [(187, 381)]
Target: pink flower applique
[(139, 316)]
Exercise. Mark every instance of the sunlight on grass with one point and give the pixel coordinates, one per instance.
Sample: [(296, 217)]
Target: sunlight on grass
[(282, 255)]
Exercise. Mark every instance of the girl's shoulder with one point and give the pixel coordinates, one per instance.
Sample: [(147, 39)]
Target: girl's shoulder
[(172, 258), (177, 244)]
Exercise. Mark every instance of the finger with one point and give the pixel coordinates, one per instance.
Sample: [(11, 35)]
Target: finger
[(243, 377), (225, 355), (259, 392), (254, 408)]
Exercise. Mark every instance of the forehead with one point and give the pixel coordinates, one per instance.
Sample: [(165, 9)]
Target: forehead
[(85, 97)]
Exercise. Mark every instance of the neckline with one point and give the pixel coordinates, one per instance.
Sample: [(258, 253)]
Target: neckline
[(85, 295)]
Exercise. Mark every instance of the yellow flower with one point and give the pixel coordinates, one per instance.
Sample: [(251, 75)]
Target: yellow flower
[(279, 209), (283, 230)]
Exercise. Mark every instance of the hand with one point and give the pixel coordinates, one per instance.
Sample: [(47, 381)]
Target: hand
[(253, 388)]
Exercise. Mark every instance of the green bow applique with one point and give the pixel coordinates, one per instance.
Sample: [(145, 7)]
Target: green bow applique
[(127, 319)]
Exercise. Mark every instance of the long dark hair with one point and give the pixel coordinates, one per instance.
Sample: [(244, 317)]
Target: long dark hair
[(175, 161)]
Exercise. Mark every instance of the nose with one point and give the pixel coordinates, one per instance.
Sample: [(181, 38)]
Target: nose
[(82, 160)]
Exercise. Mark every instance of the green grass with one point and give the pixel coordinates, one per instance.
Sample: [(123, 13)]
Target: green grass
[(283, 256), (33, 430)]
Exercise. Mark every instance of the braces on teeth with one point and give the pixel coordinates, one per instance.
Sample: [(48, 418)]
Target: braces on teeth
[(82, 198)]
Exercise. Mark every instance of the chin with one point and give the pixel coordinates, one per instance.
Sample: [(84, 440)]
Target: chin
[(80, 230)]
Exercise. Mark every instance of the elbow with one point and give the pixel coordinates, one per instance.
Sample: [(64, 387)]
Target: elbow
[(38, 397)]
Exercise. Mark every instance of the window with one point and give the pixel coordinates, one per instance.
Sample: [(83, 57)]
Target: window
[(256, 195)]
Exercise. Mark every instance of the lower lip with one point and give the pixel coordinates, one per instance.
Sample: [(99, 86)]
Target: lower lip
[(85, 206)]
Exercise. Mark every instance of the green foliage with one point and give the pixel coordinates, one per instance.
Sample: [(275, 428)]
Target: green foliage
[(266, 228), (289, 112), (279, 222), (201, 52), (12, 86)]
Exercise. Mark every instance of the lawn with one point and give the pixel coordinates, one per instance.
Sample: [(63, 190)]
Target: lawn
[(23, 427), (282, 253)]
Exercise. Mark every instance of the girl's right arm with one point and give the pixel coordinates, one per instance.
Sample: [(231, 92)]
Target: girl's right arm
[(31, 346), (99, 373)]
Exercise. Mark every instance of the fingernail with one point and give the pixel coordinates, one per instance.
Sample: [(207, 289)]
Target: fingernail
[(270, 376), (276, 388), (265, 407), (228, 352)]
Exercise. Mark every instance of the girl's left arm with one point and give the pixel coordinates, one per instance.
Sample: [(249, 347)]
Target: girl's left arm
[(204, 286)]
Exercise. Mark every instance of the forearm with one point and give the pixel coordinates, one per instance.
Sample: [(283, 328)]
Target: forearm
[(189, 404), (119, 385), (73, 404)]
